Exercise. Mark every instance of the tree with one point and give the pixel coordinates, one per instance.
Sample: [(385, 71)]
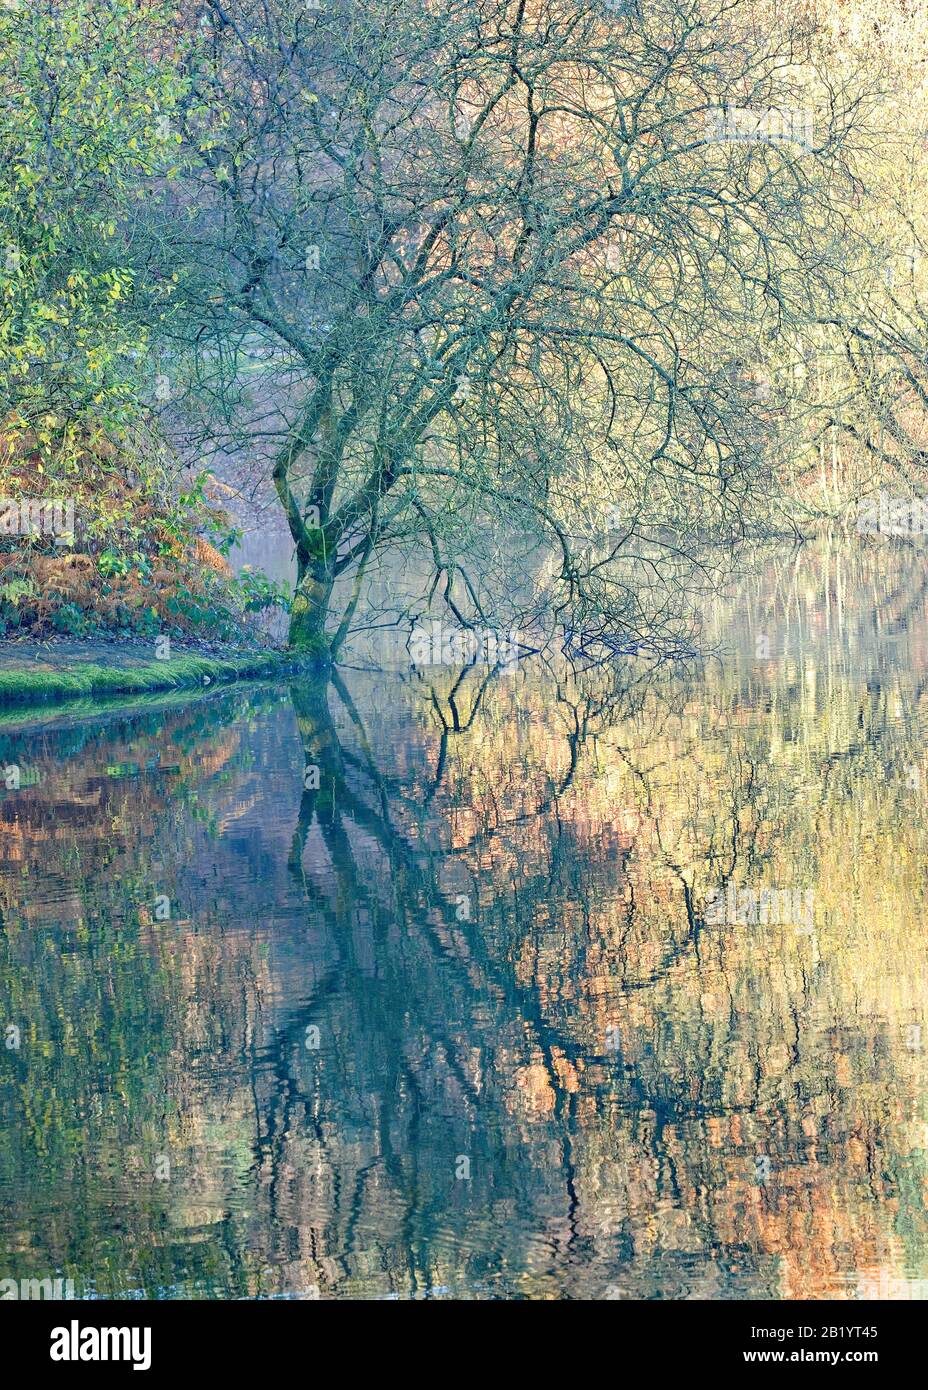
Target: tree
[(84, 124), (879, 335), (476, 278), (861, 410), (86, 95)]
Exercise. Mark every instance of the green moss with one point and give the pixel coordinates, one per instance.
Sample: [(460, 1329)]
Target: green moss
[(313, 646), (25, 686), (317, 544)]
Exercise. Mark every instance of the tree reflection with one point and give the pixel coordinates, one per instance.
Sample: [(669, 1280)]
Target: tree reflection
[(476, 932)]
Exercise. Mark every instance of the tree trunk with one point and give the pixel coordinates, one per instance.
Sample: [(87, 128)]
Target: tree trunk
[(310, 608)]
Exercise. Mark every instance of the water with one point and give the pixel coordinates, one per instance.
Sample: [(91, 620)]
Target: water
[(544, 1066)]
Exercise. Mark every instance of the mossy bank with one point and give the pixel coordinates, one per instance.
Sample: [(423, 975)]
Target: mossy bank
[(46, 676)]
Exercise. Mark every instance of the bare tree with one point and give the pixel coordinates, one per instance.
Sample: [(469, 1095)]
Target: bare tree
[(865, 409), (481, 277)]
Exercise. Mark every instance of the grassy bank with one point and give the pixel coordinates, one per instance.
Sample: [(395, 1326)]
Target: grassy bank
[(30, 684)]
